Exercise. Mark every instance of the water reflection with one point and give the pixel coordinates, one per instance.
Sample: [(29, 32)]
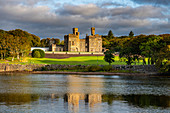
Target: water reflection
[(17, 99), (72, 93)]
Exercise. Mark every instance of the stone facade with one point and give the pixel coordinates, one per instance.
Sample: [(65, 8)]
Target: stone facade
[(92, 43), (54, 47)]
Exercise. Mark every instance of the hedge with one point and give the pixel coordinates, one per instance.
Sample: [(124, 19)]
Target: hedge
[(42, 53)]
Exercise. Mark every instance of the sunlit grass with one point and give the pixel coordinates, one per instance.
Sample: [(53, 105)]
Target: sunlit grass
[(82, 60)]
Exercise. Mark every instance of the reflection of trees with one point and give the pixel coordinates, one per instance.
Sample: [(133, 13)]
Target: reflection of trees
[(110, 98), (139, 100), (148, 100), (16, 89), (13, 99)]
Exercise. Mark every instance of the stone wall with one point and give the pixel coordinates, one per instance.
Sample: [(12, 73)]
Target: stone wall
[(18, 67), (137, 68), (31, 67), (62, 55)]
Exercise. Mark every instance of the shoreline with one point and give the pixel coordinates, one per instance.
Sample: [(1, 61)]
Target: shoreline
[(87, 73)]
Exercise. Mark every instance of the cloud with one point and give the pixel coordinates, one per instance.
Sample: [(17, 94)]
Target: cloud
[(82, 10), (44, 21), (109, 4), (153, 2), (26, 2), (139, 12)]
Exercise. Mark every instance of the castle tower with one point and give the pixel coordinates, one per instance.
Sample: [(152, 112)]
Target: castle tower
[(93, 31), (75, 31)]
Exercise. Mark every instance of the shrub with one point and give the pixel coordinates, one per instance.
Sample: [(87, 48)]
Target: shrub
[(107, 68), (36, 54), (42, 53), (93, 68)]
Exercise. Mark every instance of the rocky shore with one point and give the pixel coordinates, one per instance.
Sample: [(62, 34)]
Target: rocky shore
[(50, 69)]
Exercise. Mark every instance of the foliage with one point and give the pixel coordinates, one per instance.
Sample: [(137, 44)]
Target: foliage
[(93, 68), (151, 48), (107, 68), (105, 43), (109, 57), (131, 34), (110, 35), (15, 46), (36, 54), (47, 42), (33, 39), (42, 53), (62, 42)]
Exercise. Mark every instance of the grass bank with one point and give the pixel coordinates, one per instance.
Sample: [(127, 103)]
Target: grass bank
[(82, 60)]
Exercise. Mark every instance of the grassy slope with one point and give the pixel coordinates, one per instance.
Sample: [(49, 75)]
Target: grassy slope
[(83, 60)]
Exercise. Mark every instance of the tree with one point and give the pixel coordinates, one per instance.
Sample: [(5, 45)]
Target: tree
[(62, 42), (105, 43), (152, 47), (109, 57), (3, 43), (131, 34), (33, 39), (127, 52), (110, 35)]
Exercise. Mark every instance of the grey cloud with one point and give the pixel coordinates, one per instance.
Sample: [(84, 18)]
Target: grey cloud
[(106, 4), (41, 21), (84, 10), (139, 12), (153, 2), (15, 2)]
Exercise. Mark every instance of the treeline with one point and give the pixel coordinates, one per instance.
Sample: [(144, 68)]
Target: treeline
[(17, 43), (156, 48), (46, 42)]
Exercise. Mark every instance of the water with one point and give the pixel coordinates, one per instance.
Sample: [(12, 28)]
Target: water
[(52, 93)]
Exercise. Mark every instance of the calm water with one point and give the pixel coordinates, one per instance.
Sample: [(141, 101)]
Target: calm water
[(52, 93)]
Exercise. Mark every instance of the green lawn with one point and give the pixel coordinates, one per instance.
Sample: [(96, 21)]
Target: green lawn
[(83, 60)]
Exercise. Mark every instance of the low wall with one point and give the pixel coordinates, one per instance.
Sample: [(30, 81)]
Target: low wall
[(17, 67), (138, 68), (63, 55)]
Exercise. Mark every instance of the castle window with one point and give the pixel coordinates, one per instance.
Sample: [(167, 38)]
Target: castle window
[(72, 43)]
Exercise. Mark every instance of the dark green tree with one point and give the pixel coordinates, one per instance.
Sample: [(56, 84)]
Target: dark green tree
[(131, 34), (109, 57), (110, 35)]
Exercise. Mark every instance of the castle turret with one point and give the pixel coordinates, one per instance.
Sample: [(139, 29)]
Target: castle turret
[(75, 30), (93, 31)]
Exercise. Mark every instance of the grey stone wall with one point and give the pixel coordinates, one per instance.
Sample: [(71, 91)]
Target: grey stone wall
[(31, 67), (138, 68), (18, 67)]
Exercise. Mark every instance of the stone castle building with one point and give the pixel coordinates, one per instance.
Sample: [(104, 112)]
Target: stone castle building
[(92, 43)]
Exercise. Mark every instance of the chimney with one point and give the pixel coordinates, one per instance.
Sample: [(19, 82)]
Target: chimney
[(93, 31)]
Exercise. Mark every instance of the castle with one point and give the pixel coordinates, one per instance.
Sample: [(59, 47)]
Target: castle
[(92, 43)]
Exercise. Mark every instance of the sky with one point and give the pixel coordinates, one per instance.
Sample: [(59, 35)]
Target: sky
[(56, 18)]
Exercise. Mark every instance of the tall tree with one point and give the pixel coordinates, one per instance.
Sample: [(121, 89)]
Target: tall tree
[(110, 35), (109, 57), (131, 34)]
